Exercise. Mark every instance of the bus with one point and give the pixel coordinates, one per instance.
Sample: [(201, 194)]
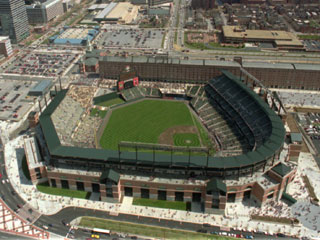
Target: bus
[(101, 231)]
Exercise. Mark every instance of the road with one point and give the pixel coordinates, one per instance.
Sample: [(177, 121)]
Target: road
[(70, 213), (4, 235), (7, 192)]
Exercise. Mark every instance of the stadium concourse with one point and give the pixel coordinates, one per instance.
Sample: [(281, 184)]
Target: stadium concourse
[(237, 216)]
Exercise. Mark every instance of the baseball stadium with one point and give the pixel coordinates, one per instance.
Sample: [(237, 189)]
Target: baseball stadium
[(206, 144)]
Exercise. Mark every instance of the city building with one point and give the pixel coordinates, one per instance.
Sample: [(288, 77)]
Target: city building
[(203, 4), (74, 36), (160, 10), (41, 88), (35, 163), (41, 13), (5, 46), (33, 119), (272, 75), (14, 20), (122, 12), (138, 2), (158, 2), (67, 4), (282, 40)]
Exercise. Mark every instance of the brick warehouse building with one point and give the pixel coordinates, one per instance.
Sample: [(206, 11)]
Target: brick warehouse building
[(278, 75), (211, 181)]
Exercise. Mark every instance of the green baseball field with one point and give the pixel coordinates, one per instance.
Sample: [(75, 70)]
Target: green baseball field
[(154, 121)]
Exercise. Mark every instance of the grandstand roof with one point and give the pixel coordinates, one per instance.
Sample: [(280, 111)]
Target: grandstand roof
[(281, 169), (261, 153), (91, 61), (110, 174), (216, 185)]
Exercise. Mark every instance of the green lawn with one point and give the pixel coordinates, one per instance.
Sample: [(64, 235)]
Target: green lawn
[(144, 122), (160, 203), (111, 102), (309, 37), (96, 112), (145, 230), (25, 168), (45, 188), (186, 139), (204, 135)]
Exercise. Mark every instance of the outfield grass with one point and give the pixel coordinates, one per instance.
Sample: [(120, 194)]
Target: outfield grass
[(160, 203), (111, 102), (145, 230), (96, 112), (186, 139), (144, 122), (45, 188)]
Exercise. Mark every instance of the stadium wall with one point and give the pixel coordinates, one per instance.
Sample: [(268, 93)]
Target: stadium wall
[(106, 97), (164, 72)]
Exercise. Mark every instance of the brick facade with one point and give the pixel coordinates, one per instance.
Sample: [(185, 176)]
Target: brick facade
[(270, 77)]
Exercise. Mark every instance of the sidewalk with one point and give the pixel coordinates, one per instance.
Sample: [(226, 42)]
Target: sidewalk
[(50, 204)]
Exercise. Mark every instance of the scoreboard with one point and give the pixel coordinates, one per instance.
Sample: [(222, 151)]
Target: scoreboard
[(127, 79)]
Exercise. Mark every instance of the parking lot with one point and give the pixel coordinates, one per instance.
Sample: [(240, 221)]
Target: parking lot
[(131, 38), (14, 102), (312, 45), (311, 124), (41, 64)]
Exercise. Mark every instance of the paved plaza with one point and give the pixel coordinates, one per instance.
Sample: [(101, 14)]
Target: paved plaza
[(299, 98), (12, 223)]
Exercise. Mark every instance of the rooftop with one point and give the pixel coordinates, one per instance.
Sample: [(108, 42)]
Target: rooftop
[(281, 169), (106, 11), (41, 86), (280, 37), (296, 137), (32, 153)]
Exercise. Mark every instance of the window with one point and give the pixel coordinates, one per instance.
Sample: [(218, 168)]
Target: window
[(145, 193), (179, 196), (231, 197), (215, 203), (53, 183), (162, 195), (128, 191), (95, 187), (80, 186), (65, 184)]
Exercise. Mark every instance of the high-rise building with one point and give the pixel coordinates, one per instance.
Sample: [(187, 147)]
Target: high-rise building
[(5, 46), (13, 20), (44, 12)]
